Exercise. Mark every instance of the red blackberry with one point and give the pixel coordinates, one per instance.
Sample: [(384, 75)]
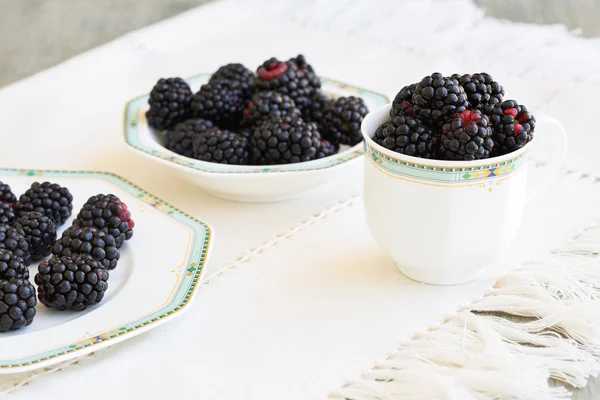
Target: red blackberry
[(6, 194), (7, 215), (180, 138), (72, 282), (12, 266), (98, 244), (467, 136), (481, 89), (265, 104), (237, 73), (436, 98), (17, 304), (513, 126), (402, 104), (47, 198), (169, 103), (109, 214), (221, 101), (405, 135), (12, 238), (40, 233), (221, 146), (342, 119)]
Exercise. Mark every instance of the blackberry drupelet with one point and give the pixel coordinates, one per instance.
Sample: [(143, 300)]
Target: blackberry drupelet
[(326, 149), (73, 282), (341, 122), (436, 98), (221, 101), (98, 244), (47, 198), (7, 215), (237, 73), (222, 146), (179, 139), (284, 141), (109, 214), (402, 104), (40, 233), (513, 126), (265, 104), (467, 136), (17, 304), (12, 238), (6, 194), (481, 89), (406, 135), (318, 106), (12, 266), (169, 103)]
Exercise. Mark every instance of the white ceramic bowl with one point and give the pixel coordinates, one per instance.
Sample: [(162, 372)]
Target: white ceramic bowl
[(247, 183)]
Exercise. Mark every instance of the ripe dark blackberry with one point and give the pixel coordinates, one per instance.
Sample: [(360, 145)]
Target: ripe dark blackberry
[(319, 103), (169, 103), (73, 282), (294, 78), (402, 104), (109, 214), (12, 266), (17, 304), (284, 141), (179, 139), (265, 104), (342, 119), (40, 233), (46, 198), (6, 194), (513, 126), (405, 135), (12, 238), (481, 89), (437, 98), (7, 215), (221, 101), (326, 149), (237, 73), (467, 136), (98, 244), (222, 146)]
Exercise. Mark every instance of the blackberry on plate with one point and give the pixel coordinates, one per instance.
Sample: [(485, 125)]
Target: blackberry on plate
[(402, 104), (341, 122), (481, 89), (318, 105), (12, 266), (40, 233), (180, 138), (222, 146), (326, 149), (513, 126), (7, 215), (109, 214), (436, 98), (285, 141), (221, 101), (265, 104), (467, 136), (17, 304), (238, 73), (12, 238), (406, 135), (169, 103), (47, 198), (98, 244), (73, 282), (6, 194)]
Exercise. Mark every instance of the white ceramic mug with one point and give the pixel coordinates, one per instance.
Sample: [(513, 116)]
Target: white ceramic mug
[(444, 222)]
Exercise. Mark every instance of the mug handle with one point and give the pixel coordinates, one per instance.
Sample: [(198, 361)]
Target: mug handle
[(552, 141)]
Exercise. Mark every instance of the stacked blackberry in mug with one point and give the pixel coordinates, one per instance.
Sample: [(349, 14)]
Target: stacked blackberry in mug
[(460, 117), (277, 115), (76, 274)]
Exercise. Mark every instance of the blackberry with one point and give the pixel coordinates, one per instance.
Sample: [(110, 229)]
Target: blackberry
[(436, 98), (294, 78), (220, 101), (513, 126), (467, 136), (284, 141), (98, 244), (12, 238), (40, 233), (6, 194), (169, 103), (17, 304), (341, 122), (73, 282), (402, 104), (47, 198), (318, 106), (109, 214), (12, 266), (7, 215), (245, 132), (481, 89), (326, 149), (265, 104), (180, 138), (237, 73), (406, 135), (221, 146)]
